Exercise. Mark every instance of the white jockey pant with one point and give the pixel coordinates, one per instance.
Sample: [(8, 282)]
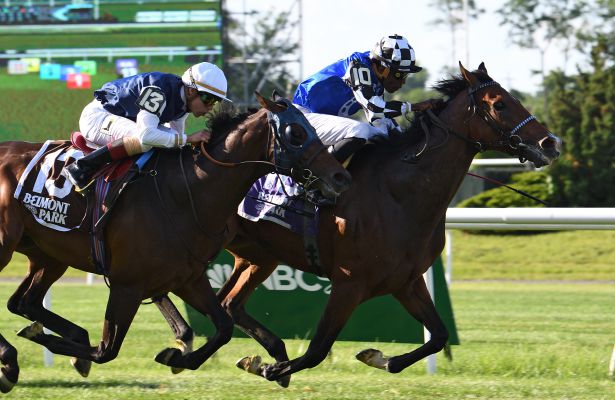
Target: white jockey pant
[(100, 127), (332, 128)]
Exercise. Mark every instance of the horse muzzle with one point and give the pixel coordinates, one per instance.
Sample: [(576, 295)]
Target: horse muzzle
[(544, 153)]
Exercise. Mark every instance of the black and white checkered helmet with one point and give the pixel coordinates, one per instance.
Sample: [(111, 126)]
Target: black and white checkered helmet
[(395, 52)]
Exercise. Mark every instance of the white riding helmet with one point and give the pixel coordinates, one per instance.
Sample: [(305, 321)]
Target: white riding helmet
[(394, 52), (206, 77)]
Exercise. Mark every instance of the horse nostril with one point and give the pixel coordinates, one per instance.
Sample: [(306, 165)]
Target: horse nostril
[(342, 178), (550, 143)]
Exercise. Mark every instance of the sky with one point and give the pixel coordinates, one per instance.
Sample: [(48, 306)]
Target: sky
[(333, 29)]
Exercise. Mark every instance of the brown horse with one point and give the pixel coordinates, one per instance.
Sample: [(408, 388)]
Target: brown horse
[(161, 234), (388, 228)]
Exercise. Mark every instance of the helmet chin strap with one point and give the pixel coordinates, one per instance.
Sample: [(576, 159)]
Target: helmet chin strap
[(382, 76)]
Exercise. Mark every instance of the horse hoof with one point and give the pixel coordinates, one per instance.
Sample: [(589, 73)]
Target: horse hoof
[(82, 366), (170, 357), (184, 348), (284, 382), (5, 383), (373, 358), (31, 331), (251, 364)]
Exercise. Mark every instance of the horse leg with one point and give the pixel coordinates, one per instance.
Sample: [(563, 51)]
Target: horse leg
[(184, 335), (342, 302), (122, 306), (246, 278), (11, 231), (417, 301), (200, 296), (27, 301)]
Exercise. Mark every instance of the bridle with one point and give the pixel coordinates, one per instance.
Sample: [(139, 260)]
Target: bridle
[(286, 156), (508, 138)]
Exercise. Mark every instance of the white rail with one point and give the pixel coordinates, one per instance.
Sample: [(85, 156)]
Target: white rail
[(531, 218), (111, 52)]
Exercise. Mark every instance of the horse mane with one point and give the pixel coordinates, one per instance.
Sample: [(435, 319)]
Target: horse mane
[(449, 88), (223, 122)]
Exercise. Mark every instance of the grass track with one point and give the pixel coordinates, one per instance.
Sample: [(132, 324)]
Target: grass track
[(538, 341)]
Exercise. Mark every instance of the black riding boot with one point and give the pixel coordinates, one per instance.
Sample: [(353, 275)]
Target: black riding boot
[(81, 171), (340, 151)]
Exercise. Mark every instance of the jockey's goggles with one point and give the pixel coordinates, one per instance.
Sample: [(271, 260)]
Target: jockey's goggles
[(208, 99)]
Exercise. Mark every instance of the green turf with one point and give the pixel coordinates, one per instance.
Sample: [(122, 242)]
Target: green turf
[(37, 110), (519, 341), (567, 255)]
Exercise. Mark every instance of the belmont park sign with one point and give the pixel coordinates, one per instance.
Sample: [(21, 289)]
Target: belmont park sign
[(290, 303)]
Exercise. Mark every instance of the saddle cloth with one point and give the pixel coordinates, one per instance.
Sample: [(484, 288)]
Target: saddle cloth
[(46, 191), (267, 200)]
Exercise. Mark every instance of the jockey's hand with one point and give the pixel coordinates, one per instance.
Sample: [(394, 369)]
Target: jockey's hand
[(200, 136), (427, 104)]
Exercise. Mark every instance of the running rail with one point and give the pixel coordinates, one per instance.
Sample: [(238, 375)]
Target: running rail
[(540, 218)]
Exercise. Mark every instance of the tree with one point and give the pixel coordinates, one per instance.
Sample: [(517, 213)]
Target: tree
[(259, 58), (582, 111), (455, 13)]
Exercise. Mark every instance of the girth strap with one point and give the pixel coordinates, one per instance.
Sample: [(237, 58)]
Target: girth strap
[(310, 242)]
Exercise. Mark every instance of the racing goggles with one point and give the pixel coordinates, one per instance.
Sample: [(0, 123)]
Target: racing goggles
[(208, 99)]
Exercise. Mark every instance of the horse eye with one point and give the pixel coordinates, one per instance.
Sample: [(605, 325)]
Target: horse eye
[(499, 105)]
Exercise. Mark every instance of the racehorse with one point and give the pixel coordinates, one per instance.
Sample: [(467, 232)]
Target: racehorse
[(388, 228), (162, 232)]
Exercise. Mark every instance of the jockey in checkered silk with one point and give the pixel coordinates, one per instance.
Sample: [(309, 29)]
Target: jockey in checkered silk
[(131, 115), (339, 90)]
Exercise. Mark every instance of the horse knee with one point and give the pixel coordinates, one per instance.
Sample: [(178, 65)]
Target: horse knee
[(15, 306)]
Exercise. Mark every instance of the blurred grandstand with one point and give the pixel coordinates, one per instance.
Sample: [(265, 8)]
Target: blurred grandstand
[(51, 49)]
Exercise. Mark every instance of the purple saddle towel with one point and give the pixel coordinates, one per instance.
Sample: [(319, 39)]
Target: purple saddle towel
[(268, 199)]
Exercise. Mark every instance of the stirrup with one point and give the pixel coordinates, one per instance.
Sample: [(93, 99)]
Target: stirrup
[(82, 189)]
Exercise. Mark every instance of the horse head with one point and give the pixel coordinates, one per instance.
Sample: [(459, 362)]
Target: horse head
[(299, 152), (498, 121)]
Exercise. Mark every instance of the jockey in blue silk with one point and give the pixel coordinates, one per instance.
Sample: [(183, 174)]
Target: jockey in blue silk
[(357, 82), (131, 115)]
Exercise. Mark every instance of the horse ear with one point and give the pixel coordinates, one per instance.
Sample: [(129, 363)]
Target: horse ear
[(467, 75), (482, 67), (275, 96), (268, 104)]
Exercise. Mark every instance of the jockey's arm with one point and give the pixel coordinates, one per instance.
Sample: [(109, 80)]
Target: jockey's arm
[(152, 102), (151, 133), (376, 108)]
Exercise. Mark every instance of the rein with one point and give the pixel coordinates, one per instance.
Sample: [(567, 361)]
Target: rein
[(511, 139)]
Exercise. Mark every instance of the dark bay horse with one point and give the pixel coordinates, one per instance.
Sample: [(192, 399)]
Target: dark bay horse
[(388, 228), (161, 234)]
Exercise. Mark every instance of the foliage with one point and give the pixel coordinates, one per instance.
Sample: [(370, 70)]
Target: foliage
[(535, 21), (535, 183), (583, 114), (260, 59)]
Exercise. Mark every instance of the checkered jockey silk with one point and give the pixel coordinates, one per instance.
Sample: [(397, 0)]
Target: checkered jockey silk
[(396, 53)]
